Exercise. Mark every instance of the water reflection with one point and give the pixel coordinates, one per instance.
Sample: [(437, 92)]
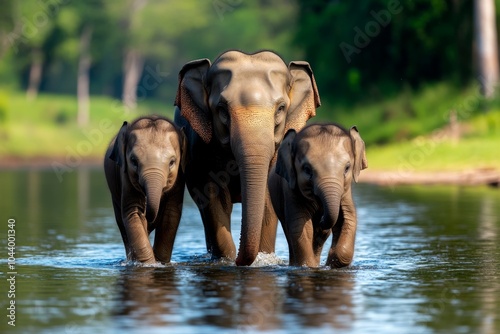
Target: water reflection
[(233, 298), (228, 297), (321, 297), (146, 296), (33, 197), (488, 233), (453, 241), (83, 188), (427, 260)]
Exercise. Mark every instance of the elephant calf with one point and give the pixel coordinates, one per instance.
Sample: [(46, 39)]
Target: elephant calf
[(144, 167), (310, 188)]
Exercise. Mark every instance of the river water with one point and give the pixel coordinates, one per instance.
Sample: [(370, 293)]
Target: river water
[(427, 261)]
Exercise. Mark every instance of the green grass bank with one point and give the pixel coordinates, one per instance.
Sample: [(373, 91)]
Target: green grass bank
[(410, 129), (47, 126)]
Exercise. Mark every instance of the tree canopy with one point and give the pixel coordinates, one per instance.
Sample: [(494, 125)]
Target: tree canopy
[(379, 46), (362, 49)]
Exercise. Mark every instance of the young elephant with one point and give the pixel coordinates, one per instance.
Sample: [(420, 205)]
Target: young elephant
[(310, 189), (144, 169)]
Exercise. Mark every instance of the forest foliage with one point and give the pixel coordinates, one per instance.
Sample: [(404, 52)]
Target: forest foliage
[(363, 52), (357, 49)]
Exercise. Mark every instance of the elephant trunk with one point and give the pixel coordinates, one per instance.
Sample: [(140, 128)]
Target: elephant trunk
[(153, 184), (329, 193), (254, 169)]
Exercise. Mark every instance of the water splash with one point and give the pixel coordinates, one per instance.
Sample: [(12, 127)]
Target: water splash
[(266, 259), (130, 263)]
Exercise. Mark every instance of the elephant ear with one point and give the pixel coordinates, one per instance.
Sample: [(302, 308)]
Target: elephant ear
[(304, 96), (191, 97), (358, 145), (117, 153), (284, 164)]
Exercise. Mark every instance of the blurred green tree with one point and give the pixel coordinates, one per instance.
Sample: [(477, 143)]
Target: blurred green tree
[(127, 48), (249, 26), (79, 22), (371, 48), (133, 48), (6, 25), (150, 30), (33, 23)]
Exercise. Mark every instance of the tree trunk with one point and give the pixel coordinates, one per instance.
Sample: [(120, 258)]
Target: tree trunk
[(133, 66), (486, 45), (35, 74), (83, 77), (134, 61)]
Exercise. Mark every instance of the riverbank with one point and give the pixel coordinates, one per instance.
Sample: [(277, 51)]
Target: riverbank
[(41, 162), (469, 177), (415, 149), (472, 177)]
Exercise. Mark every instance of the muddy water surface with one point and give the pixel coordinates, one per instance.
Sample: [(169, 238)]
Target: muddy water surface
[(427, 261)]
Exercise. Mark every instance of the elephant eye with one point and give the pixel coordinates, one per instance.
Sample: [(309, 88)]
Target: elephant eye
[(280, 109), (278, 116), (307, 169), (223, 114), (171, 164), (134, 161), (347, 168)]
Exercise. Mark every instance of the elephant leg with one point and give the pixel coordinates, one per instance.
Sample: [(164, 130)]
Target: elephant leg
[(216, 216), (119, 221), (320, 237), (169, 216), (137, 234), (318, 242), (291, 249), (301, 242), (114, 184), (269, 227)]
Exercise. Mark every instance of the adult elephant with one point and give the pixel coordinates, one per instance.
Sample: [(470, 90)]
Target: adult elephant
[(235, 113)]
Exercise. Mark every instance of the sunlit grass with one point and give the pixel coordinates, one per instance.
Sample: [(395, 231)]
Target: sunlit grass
[(47, 126), (407, 115), (395, 140), (430, 155), (406, 132), (477, 147)]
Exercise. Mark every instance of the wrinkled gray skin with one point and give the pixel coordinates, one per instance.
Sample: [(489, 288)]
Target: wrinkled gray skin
[(310, 189), (235, 112), (143, 167)]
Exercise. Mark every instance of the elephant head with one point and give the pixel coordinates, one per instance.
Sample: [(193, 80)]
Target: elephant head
[(320, 163), (150, 152), (245, 103)]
